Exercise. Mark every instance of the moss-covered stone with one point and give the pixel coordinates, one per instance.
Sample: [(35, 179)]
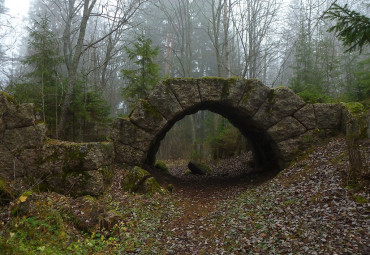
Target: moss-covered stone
[(138, 180), (9, 97), (198, 168), (161, 166)]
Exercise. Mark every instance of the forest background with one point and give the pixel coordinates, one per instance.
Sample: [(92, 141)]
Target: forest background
[(83, 63)]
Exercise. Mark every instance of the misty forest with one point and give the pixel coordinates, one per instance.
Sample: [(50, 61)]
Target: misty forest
[(185, 127)]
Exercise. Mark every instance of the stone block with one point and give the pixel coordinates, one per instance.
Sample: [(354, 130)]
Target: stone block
[(129, 155), (253, 96), (287, 128), (18, 116), (164, 101), (18, 139), (328, 116), (147, 117), (306, 115), (186, 91), (213, 89), (290, 148), (125, 132), (280, 103)]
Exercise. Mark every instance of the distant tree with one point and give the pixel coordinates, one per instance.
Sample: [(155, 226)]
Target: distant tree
[(144, 74), (352, 28), (41, 86)]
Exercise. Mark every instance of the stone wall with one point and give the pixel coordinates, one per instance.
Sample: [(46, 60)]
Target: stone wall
[(30, 160)]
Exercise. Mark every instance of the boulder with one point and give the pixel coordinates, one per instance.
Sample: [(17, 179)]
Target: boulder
[(198, 168), (161, 166), (138, 180)]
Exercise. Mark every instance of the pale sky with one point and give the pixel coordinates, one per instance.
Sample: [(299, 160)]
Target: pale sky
[(17, 7)]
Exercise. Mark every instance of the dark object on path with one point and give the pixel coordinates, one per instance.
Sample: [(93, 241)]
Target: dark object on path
[(198, 168)]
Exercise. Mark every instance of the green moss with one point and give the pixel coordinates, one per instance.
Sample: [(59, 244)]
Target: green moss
[(360, 199), (9, 97), (161, 166), (175, 80), (133, 178), (27, 193), (355, 108)]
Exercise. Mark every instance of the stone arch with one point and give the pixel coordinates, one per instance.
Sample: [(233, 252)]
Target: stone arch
[(277, 122)]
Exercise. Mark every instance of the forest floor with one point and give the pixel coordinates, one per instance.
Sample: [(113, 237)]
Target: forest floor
[(308, 208)]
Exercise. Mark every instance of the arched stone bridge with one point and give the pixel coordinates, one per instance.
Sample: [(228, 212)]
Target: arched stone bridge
[(277, 122)]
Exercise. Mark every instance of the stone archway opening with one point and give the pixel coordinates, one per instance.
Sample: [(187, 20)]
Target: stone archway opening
[(278, 123), (264, 149)]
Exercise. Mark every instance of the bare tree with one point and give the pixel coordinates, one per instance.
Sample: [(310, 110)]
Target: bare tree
[(76, 16)]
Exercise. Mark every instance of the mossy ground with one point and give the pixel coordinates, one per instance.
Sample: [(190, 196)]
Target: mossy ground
[(305, 208)]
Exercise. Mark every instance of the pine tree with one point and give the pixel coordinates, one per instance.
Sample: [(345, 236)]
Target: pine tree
[(352, 28), (144, 74), (42, 86)]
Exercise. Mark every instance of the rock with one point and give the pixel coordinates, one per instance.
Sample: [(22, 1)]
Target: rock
[(75, 183), (198, 168), (129, 155), (161, 166), (147, 117), (163, 99), (98, 155), (10, 166), (75, 168), (254, 95), (24, 138), (286, 128), (213, 89), (18, 116), (328, 115), (235, 92), (306, 115), (6, 101), (138, 180), (127, 133), (185, 90), (280, 103), (2, 127), (290, 147)]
